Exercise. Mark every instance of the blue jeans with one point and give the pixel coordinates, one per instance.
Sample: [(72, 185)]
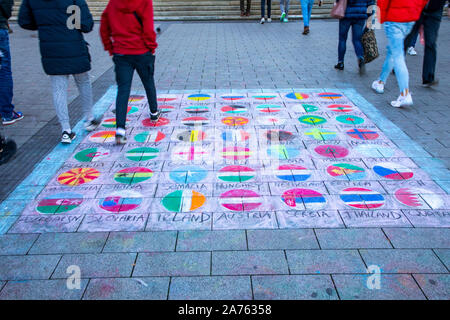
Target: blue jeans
[(306, 11), (396, 33), (6, 81), (357, 32)]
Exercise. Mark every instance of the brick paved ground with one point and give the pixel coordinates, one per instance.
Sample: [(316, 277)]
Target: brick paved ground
[(234, 264)]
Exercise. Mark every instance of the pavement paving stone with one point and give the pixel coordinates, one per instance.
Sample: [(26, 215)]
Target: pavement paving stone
[(96, 265), (141, 241), (282, 239), (204, 240), (294, 287), (444, 256), (173, 264), (145, 288), (403, 260), (352, 238), (248, 262), (419, 237), (27, 267), (392, 287), (211, 288), (324, 261), (15, 244), (42, 290), (51, 243), (435, 286)]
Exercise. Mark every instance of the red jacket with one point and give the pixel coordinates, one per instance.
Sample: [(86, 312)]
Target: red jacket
[(400, 10), (122, 32)]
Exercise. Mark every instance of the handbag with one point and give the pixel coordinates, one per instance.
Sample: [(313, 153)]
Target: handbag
[(338, 10), (369, 42)]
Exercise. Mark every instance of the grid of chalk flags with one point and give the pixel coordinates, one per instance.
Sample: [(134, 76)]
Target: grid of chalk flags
[(243, 159)]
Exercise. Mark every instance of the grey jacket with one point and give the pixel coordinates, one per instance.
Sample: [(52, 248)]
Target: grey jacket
[(5, 12)]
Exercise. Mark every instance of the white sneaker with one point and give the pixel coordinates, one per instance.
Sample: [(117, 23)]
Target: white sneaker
[(262, 21), (411, 51), (402, 101), (378, 86), (269, 19)]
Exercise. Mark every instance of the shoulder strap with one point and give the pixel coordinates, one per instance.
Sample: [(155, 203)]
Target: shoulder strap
[(138, 18)]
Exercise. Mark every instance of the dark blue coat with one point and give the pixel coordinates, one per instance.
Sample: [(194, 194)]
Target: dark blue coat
[(63, 51), (357, 9)]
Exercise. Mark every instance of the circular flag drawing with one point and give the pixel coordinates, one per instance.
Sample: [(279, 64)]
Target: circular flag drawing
[(331, 151), (135, 98), (340, 108), (133, 175), (363, 134), (235, 121), (265, 96), (60, 203), (195, 121), (374, 151), (103, 137), (362, 198), (121, 201), (235, 135), (166, 108), (188, 174), (240, 200), (393, 171), (282, 152), (291, 172), (303, 198), (150, 123), (93, 155), (321, 134), (269, 108), (199, 97), (233, 97), (191, 136), (196, 109), (236, 174), (189, 153), (411, 197), (235, 108), (149, 136), (142, 154), (167, 97), (304, 108), (297, 96), (271, 121), (330, 95), (279, 135), (350, 119), (236, 153), (78, 176), (183, 201), (312, 120), (346, 171)]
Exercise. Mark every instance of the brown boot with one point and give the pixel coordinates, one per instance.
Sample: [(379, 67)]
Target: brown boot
[(305, 30)]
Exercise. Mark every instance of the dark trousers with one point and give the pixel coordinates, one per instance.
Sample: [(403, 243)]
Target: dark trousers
[(124, 67), (263, 8), (243, 9), (6, 80), (357, 32), (431, 22)]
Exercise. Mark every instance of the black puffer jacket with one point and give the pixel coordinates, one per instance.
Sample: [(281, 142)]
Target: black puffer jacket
[(5, 12), (63, 50)]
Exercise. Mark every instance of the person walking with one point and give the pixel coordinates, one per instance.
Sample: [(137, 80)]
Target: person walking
[(284, 8), (398, 18), (411, 44), (7, 112), (245, 10), (307, 6), (263, 11), (355, 17), (128, 34), (430, 19), (64, 52)]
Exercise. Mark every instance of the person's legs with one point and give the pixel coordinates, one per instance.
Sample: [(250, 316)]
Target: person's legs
[(309, 8), (59, 88), (249, 4), (145, 67), (6, 80), (263, 7), (269, 8), (431, 24), (286, 7), (411, 38), (282, 6), (304, 4), (396, 33), (85, 88), (242, 6), (357, 32), (344, 27), (124, 77)]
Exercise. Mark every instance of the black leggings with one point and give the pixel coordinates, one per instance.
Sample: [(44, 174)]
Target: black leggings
[(263, 8)]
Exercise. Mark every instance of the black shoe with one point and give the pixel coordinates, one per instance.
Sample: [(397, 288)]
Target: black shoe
[(430, 84), (67, 138), (7, 150), (120, 139), (362, 67), (155, 116), (93, 124), (339, 66)]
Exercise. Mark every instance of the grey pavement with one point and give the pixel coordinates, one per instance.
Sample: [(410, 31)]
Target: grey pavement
[(231, 264)]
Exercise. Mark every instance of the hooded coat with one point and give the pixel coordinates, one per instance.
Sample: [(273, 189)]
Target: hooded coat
[(63, 50)]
